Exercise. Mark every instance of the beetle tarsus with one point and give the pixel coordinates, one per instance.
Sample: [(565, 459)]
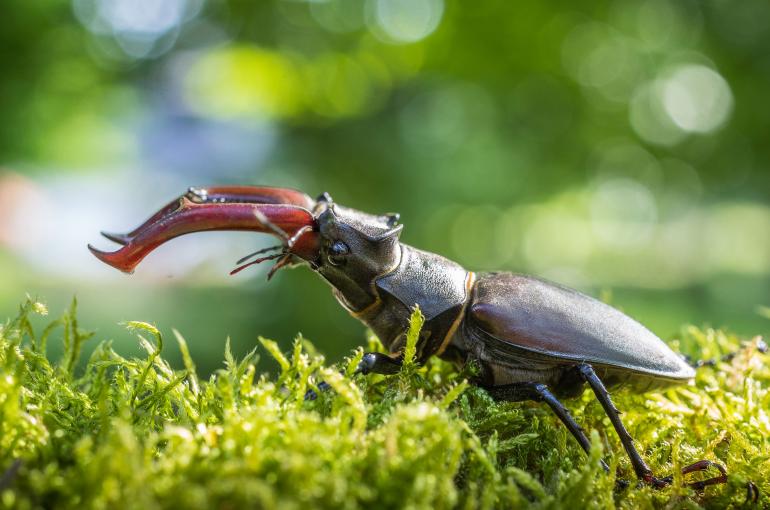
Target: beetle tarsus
[(311, 394), (752, 493), (703, 465), (657, 483), (6, 479), (758, 344)]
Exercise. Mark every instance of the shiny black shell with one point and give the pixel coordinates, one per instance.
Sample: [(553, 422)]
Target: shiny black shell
[(520, 328)]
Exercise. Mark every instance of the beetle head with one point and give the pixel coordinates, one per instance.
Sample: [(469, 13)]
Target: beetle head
[(355, 249)]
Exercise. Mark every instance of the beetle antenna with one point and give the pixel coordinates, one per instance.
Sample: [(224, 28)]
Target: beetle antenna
[(259, 252), (290, 241), (278, 265), (255, 262)]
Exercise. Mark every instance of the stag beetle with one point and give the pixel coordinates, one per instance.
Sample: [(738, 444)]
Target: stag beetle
[(532, 339)]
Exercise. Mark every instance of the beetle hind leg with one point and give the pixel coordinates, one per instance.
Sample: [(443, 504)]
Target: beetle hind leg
[(539, 392), (643, 471)]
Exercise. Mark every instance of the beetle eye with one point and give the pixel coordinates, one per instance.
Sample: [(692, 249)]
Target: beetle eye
[(338, 252)]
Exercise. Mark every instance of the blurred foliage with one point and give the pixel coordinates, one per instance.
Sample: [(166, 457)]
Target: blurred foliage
[(617, 145), (137, 433), (524, 91)]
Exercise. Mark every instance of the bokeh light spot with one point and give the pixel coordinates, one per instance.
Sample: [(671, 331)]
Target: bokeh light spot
[(338, 16), (473, 237), (556, 239), (436, 123), (623, 213), (148, 16), (649, 119), (243, 81), (141, 28), (338, 86), (737, 239), (601, 58), (697, 98), (620, 157), (405, 21)]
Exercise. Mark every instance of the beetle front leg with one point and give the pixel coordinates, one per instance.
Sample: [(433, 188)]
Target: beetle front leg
[(378, 363), (322, 386), (371, 363), (539, 392), (643, 471)]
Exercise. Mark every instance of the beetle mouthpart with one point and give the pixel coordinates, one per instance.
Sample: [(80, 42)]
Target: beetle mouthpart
[(285, 255), (215, 209), (259, 252), (257, 261)]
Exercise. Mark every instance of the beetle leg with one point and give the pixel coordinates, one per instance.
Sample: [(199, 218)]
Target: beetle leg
[(703, 465), (371, 363), (643, 471), (322, 386), (752, 493), (8, 476), (641, 468), (378, 363), (759, 345), (539, 392)]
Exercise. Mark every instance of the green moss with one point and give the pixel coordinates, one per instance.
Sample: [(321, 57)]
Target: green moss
[(137, 433)]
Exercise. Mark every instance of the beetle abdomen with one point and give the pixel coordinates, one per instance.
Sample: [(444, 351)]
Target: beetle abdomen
[(538, 320)]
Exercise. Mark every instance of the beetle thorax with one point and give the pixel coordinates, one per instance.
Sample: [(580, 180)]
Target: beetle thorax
[(435, 284)]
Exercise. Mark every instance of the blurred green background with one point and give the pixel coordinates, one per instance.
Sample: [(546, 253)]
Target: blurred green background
[(621, 148)]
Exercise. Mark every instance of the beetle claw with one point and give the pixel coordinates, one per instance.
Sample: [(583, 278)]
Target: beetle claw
[(752, 493), (701, 465)]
